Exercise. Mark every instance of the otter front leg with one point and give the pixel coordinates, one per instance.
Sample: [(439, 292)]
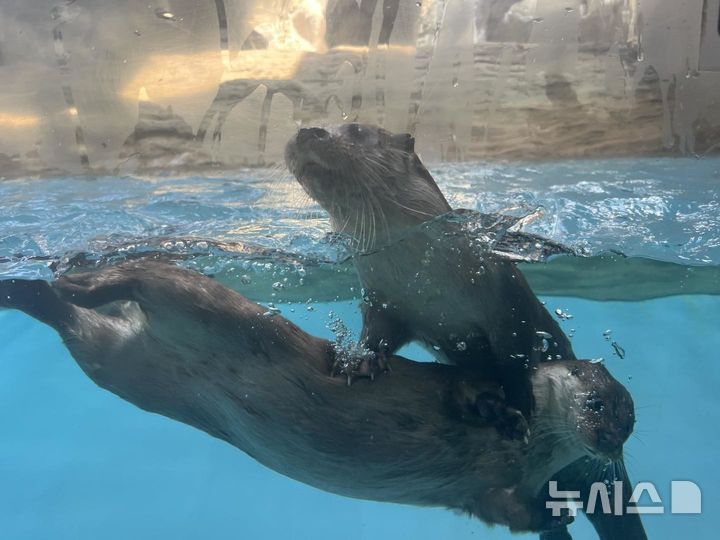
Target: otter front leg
[(93, 289), (484, 401), (382, 334), (384, 331)]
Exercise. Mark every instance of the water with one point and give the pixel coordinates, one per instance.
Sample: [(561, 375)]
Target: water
[(78, 462)]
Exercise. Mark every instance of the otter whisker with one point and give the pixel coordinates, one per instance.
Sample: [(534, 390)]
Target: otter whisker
[(414, 210), (362, 225)]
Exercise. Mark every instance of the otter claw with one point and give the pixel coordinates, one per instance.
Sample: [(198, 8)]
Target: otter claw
[(508, 422), (367, 366)]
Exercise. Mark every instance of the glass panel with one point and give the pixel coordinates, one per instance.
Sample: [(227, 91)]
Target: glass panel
[(183, 84), (526, 191)]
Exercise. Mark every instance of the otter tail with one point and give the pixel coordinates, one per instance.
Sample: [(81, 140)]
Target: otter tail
[(38, 299)]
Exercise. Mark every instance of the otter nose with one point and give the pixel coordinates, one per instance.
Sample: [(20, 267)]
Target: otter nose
[(310, 134)]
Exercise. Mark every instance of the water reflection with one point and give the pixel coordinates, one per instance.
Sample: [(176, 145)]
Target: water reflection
[(472, 78)]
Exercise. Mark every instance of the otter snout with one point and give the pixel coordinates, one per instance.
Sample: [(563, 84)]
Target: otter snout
[(602, 410), (307, 148), (609, 414), (310, 134)]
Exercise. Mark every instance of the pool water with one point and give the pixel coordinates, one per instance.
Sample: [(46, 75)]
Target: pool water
[(78, 462)]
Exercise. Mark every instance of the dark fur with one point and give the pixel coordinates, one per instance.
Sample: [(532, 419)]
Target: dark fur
[(424, 280), (180, 344)]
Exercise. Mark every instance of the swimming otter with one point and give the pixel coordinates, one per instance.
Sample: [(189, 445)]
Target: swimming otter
[(177, 343), (424, 279)]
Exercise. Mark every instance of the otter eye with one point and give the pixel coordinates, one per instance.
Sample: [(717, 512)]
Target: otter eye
[(355, 130), (575, 372), (595, 404)]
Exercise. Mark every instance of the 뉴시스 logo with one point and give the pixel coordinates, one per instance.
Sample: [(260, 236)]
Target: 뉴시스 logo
[(685, 498)]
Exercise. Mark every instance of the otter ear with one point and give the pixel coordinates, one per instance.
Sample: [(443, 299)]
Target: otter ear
[(403, 141)]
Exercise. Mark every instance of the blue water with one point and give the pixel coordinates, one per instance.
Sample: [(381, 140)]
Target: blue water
[(78, 462)]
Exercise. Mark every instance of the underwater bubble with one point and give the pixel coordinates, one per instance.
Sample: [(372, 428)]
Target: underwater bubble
[(544, 335), (245, 279), (348, 352), (461, 346), (277, 286)]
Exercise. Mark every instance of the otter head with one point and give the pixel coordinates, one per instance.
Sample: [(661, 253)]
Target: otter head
[(581, 411), (369, 180)]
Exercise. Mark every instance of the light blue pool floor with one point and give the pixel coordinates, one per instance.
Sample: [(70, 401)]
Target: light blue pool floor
[(77, 462)]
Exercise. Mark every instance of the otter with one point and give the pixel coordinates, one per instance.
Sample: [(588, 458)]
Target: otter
[(180, 344), (423, 278), (426, 279)]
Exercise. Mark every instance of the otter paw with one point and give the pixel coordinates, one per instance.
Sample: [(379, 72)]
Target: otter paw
[(362, 366), (509, 422)]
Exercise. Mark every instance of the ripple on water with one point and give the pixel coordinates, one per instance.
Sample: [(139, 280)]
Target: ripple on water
[(665, 209)]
